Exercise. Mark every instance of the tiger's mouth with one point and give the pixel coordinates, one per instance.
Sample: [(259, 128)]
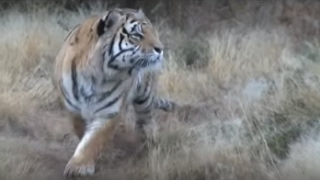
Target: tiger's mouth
[(149, 60), (146, 64)]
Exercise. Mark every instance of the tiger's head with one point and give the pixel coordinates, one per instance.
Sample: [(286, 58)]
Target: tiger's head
[(134, 45)]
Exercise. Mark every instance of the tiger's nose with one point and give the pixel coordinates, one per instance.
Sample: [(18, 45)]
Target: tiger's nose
[(158, 50)]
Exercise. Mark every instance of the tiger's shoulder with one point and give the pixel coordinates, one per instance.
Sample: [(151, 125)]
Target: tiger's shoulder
[(76, 46), (83, 34), (81, 37)]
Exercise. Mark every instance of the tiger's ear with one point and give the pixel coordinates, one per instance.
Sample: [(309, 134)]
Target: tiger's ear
[(140, 13), (108, 21)]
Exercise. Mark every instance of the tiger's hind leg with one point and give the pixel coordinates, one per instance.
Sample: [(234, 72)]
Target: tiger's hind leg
[(97, 136), (146, 101), (143, 107), (164, 104)]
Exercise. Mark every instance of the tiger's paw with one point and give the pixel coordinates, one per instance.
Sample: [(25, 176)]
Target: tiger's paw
[(79, 167)]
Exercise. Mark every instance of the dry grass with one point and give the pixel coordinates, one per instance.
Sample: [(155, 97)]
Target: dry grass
[(251, 106)]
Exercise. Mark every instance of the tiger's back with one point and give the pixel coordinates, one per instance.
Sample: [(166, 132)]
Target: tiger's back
[(105, 63)]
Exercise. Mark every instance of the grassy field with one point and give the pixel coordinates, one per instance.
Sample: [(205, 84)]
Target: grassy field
[(250, 103)]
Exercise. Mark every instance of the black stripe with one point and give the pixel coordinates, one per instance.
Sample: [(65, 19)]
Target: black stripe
[(64, 94), (146, 88), (110, 23), (104, 81), (133, 67), (115, 67), (124, 31), (120, 42), (93, 80), (108, 104), (108, 93), (133, 28), (141, 101), (107, 17), (140, 122), (144, 63), (111, 46), (112, 115), (145, 110), (114, 57), (130, 71), (74, 80)]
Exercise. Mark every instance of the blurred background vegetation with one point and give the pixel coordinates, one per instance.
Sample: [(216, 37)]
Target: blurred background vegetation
[(195, 15), (199, 18)]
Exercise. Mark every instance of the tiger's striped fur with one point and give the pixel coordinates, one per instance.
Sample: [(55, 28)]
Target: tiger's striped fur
[(105, 64)]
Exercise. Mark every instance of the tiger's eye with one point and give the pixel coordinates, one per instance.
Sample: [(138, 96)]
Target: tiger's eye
[(136, 36)]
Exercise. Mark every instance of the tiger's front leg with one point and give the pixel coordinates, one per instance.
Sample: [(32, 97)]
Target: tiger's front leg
[(97, 136)]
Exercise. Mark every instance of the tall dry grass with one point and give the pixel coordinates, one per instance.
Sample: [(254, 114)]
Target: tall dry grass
[(250, 105)]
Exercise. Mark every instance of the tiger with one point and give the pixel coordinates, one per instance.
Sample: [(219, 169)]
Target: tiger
[(107, 63)]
